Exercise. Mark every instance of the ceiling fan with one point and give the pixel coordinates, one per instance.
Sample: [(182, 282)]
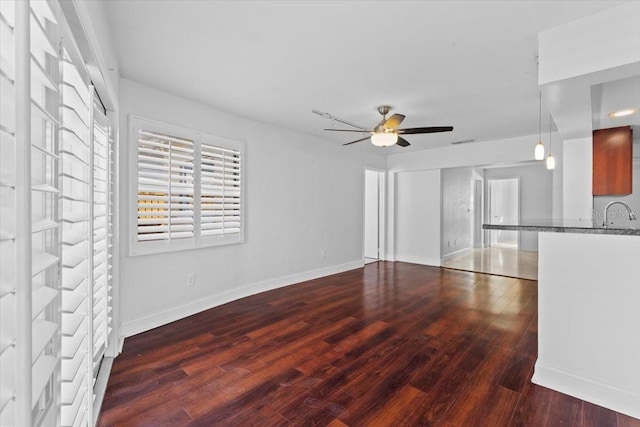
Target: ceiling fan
[(386, 132)]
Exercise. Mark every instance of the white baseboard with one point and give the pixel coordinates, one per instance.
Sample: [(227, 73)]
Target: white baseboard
[(153, 321), (456, 253), (418, 260), (597, 393)]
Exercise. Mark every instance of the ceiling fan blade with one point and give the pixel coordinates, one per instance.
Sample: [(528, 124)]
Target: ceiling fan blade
[(357, 140), (394, 121), (432, 129), (349, 130), (402, 142)]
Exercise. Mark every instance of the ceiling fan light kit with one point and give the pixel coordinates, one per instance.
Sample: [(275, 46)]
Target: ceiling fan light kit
[(386, 133), (384, 139)]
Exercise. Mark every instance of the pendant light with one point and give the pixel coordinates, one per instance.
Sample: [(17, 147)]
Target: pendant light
[(551, 161), (539, 151)]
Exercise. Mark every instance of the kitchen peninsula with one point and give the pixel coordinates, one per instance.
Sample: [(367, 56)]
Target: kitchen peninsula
[(588, 311)]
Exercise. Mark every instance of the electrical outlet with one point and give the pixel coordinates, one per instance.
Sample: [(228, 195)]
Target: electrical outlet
[(191, 280), (323, 253)]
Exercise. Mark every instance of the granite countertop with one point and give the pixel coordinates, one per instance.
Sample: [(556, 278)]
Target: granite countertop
[(565, 226)]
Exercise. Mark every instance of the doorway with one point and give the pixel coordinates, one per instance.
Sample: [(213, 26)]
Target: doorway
[(373, 214), (504, 208)]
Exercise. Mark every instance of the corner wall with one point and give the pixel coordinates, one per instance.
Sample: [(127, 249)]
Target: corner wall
[(303, 195)]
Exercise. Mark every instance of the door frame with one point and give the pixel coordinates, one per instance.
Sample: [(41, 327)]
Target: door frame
[(477, 190), (382, 210), (488, 204)]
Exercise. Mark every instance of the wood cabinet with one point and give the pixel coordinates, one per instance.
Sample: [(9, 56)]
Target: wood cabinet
[(612, 161)]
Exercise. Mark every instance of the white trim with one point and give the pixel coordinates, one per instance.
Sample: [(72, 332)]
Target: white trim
[(582, 388), (419, 260), (153, 321), (456, 253), (382, 210), (135, 247)]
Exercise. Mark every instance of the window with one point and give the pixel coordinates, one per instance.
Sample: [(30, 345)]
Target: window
[(188, 192)]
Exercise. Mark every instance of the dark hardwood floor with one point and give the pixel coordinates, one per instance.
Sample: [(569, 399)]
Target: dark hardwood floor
[(392, 344)]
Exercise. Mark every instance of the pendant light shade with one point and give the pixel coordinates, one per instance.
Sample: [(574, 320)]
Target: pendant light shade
[(384, 139), (539, 154), (551, 162)]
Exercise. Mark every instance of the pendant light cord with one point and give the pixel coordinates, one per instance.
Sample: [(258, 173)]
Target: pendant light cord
[(549, 133), (539, 116)]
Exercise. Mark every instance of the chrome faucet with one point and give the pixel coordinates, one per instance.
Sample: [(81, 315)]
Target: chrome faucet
[(632, 214)]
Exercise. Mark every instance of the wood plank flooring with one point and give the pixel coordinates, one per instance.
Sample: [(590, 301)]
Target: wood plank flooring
[(391, 344)]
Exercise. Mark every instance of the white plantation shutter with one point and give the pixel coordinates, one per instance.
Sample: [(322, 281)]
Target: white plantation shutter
[(47, 217), (30, 219), (189, 191), (76, 207), (165, 187), (8, 273), (220, 191), (102, 238)]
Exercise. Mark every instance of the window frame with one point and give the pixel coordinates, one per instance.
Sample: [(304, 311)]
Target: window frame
[(136, 247)]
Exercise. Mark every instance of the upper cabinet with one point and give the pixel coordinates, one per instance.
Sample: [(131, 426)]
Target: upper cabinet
[(612, 161)]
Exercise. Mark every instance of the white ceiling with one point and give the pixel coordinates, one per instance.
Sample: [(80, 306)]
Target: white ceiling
[(468, 64)]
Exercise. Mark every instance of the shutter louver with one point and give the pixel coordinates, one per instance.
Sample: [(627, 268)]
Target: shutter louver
[(165, 187)]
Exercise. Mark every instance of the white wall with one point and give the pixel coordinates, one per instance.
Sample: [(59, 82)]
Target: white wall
[(456, 210), (536, 198), (577, 178), (418, 220), (589, 318), (303, 195), (586, 45)]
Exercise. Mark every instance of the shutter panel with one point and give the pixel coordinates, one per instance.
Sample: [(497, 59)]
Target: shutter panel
[(75, 201), (47, 250), (8, 280), (101, 238), (165, 187), (45, 224), (220, 183)]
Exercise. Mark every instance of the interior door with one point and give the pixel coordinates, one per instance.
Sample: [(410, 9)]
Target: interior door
[(504, 208)]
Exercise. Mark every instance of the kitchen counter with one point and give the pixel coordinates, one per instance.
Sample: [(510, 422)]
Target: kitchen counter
[(565, 226)]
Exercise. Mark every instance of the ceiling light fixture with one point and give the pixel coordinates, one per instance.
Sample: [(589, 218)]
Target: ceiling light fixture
[(539, 151), (623, 113), (384, 139), (551, 161)]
